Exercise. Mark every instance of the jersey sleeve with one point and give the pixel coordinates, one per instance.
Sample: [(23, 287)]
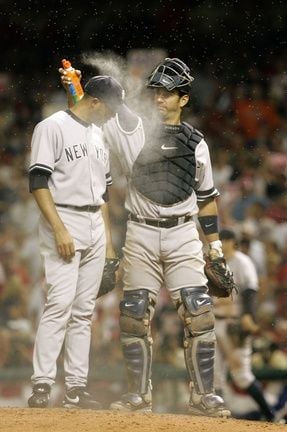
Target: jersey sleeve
[(45, 147), (113, 140), (205, 185), (109, 181)]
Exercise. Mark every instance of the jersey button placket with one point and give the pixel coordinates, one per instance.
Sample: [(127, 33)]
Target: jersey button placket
[(91, 172), (92, 183)]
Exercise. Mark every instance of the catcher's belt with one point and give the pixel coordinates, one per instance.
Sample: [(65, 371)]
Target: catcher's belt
[(160, 223)]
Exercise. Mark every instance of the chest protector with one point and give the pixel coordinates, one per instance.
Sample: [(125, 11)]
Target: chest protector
[(164, 171)]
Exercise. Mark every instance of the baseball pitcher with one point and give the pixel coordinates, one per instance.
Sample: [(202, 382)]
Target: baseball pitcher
[(69, 174)]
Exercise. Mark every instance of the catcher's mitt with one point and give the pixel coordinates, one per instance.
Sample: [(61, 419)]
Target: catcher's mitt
[(220, 279), (108, 282)]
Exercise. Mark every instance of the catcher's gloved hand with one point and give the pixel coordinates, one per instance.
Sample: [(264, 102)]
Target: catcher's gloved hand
[(220, 279), (108, 282)]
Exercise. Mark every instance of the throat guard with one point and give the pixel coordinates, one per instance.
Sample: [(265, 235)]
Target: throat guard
[(164, 171)]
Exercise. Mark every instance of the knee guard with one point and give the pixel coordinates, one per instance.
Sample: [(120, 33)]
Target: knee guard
[(136, 312), (196, 310)]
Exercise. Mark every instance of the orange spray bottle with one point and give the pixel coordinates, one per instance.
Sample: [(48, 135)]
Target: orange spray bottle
[(75, 87)]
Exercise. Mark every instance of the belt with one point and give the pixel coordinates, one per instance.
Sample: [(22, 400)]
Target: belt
[(86, 208), (160, 223)]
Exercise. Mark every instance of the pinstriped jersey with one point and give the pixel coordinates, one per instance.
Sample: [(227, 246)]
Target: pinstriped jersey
[(125, 148), (75, 156)]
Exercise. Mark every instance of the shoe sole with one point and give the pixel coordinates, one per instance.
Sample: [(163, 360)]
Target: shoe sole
[(218, 414), (37, 406), (32, 404), (72, 406), (125, 409)]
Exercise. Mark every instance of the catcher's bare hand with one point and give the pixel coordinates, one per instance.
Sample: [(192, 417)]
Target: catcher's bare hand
[(65, 79)]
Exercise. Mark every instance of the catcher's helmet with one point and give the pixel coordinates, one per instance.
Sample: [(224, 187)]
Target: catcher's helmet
[(171, 73)]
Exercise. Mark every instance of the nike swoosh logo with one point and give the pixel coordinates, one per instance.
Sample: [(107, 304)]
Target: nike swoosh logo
[(200, 302), (129, 304), (73, 400), (168, 148), (209, 225)]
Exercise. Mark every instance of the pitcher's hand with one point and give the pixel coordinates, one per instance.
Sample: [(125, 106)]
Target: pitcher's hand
[(65, 244)]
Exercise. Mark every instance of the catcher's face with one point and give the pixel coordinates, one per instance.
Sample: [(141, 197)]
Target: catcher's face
[(169, 104)]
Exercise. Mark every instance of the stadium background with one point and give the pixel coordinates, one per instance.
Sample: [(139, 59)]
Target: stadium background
[(237, 52)]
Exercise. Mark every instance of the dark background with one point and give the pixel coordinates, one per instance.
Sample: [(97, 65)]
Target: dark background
[(231, 35)]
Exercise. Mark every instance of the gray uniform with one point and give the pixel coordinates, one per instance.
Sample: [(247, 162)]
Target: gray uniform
[(166, 177), (179, 246), (228, 312), (74, 155), (234, 347)]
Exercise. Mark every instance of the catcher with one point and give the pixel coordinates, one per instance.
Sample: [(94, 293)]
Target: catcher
[(235, 323)]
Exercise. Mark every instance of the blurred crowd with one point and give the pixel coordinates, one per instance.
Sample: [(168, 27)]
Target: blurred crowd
[(245, 126)]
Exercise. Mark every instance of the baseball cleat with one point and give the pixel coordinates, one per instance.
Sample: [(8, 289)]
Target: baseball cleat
[(40, 396), (78, 397), (131, 402), (209, 405)]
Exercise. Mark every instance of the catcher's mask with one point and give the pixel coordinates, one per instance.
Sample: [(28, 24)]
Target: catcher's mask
[(172, 74)]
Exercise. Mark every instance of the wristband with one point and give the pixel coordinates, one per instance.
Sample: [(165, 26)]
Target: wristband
[(216, 245), (209, 224)]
